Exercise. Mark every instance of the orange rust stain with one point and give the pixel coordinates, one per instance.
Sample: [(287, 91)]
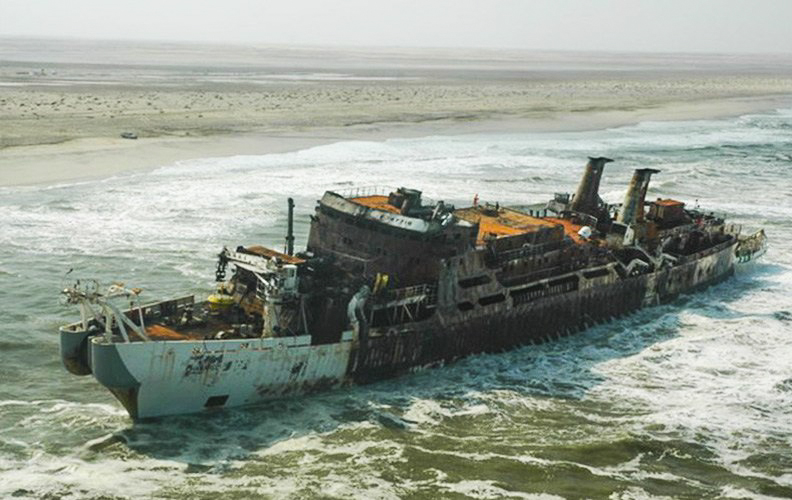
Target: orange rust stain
[(377, 202), (270, 253), (570, 229), (669, 203), (504, 222), (161, 332)]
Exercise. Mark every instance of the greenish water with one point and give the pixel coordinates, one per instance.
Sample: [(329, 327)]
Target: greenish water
[(691, 399)]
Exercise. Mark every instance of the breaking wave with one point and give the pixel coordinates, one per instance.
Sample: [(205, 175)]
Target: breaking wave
[(687, 399)]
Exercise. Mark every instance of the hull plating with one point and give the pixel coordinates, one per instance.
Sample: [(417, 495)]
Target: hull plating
[(173, 377), (160, 378)]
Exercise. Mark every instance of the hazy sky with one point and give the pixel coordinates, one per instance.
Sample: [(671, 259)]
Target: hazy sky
[(642, 25)]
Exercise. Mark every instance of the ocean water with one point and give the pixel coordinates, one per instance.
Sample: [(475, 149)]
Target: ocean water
[(690, 399)]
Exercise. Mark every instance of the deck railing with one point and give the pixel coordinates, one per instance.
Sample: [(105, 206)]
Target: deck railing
[(426, 290), (362, 191)]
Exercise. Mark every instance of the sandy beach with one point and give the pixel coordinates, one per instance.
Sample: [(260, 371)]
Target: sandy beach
[(62, 112)]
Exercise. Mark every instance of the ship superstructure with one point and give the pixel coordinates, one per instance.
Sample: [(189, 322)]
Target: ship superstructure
[(391, 282)]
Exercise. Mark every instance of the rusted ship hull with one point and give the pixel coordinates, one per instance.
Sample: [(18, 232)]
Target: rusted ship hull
[(441, 340), (388, 284), (159, 378)]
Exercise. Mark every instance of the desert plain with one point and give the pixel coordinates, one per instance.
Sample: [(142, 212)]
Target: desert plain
[(64, 104)]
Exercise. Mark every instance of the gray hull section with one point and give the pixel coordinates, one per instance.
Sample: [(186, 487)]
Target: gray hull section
[(451, 335), (74, 350), (160, 378)]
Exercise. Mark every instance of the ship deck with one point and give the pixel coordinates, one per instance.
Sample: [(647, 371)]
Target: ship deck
[(570, 228), (159, 331), (377, 202), (492, 222), (270, 253), (501, 222), (204, 327)]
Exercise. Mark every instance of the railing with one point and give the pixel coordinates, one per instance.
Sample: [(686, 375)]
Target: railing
[(362, 191), (399, 294), (705, 252), (403, 305), (527, 250), (733, 229)]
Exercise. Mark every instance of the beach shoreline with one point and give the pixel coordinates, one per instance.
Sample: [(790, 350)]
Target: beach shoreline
[(64, 104), (98, 157)]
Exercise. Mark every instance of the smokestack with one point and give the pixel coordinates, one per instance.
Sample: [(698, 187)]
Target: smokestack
[(290, 229), (633, 208), (587, 196)]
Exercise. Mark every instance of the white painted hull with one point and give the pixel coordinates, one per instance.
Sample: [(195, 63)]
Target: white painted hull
[(159, 378)]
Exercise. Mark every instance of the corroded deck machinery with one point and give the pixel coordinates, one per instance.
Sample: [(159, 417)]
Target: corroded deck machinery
[(389, 283)]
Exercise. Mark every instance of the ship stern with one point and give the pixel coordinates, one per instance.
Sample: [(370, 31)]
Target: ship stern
[(111, 371), (74, 349)]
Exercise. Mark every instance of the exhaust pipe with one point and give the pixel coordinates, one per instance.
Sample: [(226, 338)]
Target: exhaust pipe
[(587, 196), (633, 208), (290, 229)]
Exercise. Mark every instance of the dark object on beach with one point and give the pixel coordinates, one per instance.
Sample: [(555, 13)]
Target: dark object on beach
[(390, 282), (129, 135)]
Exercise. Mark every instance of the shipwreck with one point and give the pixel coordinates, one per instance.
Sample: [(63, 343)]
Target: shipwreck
[(389, 283)]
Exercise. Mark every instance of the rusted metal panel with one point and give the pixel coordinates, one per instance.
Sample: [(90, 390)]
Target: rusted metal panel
[(495, 222), (503, 327)]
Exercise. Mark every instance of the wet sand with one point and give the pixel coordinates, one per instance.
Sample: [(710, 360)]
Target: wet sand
[(64, 107)]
